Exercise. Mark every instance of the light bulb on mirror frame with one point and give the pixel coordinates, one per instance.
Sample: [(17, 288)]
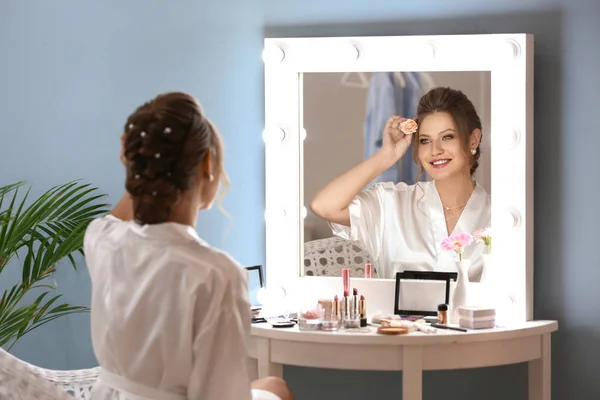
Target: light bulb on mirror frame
[(511, 219), (354, 51), (504, 52), (272, 299), (275, 213), (511, 137), (262, 296), (427, 51), (346, 52), (511, 50), (273, 54), (273, 135)]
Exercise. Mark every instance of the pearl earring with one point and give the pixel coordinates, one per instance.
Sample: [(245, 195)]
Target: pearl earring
[(473, 151), (211, 178)]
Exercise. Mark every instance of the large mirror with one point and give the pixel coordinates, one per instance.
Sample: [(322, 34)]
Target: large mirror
[(344, 118), (324, 116)]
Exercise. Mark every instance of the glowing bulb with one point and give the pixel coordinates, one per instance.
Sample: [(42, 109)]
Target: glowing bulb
[(511, 138), (425, 52), (510, 219), (274, 214), (261, 295), (273, 135), (353, 52), (510, 50), (273, 54), (505, 52)]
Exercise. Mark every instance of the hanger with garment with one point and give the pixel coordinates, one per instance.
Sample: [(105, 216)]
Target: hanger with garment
[(400, 79), (427, 81), (355, 79), (360, 80)]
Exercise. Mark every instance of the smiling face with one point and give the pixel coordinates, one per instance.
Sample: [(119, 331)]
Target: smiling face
[(449, 134), (440, 150)]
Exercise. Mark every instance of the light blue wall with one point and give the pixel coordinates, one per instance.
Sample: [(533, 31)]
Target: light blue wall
[(71, 71)]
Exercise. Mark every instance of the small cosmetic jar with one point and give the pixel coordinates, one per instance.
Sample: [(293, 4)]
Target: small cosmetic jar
[(310, 318), (476, 317), (350, 323), (330, 321), (442, 314)]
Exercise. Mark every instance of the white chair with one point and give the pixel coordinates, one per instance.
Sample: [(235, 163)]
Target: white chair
[(22, 381), (327, 257)]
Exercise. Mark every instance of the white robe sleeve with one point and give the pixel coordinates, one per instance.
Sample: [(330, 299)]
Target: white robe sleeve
[(95, 230), (219, 368), (367, 218)]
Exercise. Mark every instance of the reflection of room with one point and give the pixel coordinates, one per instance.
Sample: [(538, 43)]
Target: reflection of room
[(335, 108)]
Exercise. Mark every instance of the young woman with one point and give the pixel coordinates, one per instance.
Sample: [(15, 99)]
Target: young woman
[(170, 314), (402, 226)]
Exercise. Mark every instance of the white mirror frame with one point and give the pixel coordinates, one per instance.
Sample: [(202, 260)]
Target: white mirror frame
[(509, 58)]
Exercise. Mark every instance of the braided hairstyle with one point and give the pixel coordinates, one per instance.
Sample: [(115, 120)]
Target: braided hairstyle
[(165, 142), (463, 113)]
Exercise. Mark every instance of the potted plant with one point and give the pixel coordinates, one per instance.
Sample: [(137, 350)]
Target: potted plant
[(39, 236)]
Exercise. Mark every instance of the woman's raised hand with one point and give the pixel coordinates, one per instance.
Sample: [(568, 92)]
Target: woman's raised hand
[(397, 136), (122, 156)]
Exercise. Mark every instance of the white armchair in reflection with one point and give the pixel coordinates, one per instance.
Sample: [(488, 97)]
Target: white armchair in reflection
[(22, 381), (327, 257)]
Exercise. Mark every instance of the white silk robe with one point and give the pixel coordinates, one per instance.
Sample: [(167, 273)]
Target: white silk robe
[(403, 226)]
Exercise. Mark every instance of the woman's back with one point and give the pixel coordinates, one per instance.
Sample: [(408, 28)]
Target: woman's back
[(169, 313)]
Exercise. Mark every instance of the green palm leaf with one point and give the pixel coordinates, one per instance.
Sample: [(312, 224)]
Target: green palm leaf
[(45, 232)]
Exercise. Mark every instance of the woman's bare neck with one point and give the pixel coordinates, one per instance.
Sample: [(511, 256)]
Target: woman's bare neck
[(185, 212), (455, 191)]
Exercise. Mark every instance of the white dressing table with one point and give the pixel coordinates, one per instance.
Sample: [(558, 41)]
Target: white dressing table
[(272, 348)]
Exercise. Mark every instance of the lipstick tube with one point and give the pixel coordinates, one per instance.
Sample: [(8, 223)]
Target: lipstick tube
[(355, 311), (337, 309), (368, 271), (350, 317), (346, 307), (346, 280), (362, 309)]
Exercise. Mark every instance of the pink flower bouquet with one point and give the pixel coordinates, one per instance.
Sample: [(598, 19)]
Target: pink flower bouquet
[(457, 243)]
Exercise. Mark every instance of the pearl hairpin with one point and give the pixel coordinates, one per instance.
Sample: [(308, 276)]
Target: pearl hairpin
[(131, 126), (157, 155), (167, 130), (143, 134)]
